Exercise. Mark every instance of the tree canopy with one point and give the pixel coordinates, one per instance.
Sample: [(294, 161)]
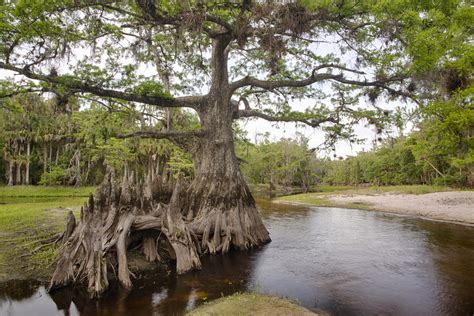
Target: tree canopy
[(160, 53)]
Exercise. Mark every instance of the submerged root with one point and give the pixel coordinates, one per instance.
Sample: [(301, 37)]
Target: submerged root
[(150, 250)]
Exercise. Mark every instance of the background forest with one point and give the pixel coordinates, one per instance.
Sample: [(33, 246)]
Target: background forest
[(45, 141)]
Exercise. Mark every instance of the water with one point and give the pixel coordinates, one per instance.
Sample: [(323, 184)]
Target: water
[(346, 262)]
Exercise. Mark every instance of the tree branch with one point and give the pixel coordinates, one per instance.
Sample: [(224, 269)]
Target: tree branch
[(315, 77), (272, 118), (23, 91), (172, 135), (270, 85), (273, 84), (380, 84), (76, 86)]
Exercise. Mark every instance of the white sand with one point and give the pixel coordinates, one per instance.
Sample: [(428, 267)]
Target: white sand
[(455, 206)]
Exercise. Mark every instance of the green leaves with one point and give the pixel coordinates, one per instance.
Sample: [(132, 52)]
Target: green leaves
[(443, 143), (150, 88), (285, 162)]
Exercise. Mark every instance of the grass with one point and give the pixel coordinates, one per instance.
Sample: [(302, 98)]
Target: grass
[(407, 189), (44, 191), (28, 215), (250, 304), (316, 199), (18, 217)]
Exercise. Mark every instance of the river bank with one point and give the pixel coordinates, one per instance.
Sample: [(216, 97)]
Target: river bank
[(449, 206), (252, 304), (28, 215)]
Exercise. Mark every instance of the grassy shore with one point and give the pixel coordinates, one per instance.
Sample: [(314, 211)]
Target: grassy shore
[(251, 304), (427, 202), (402, 189), (29, 214), (320, 196), (44, 191)]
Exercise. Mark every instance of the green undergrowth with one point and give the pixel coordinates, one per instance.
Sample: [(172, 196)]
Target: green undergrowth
[(44, 191), (25, 219)]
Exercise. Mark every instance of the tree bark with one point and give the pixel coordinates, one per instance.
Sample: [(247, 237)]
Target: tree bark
[(45, 158), (18, 173), (10, 172), (8, 167), (28, 159), (220, 204)]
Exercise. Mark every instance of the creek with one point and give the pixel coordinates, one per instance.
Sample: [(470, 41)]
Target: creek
[(343, 261)]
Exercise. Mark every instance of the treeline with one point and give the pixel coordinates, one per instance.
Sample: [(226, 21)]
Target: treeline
[(440, 151), (50, 142), (287, 162), (45, 141)]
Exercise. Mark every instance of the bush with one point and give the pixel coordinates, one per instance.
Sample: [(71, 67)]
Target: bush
[(53, 177)]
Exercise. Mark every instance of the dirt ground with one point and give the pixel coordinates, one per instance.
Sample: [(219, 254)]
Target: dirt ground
[(455, 206)]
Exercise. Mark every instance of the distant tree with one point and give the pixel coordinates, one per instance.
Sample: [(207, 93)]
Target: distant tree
[(287, 162)]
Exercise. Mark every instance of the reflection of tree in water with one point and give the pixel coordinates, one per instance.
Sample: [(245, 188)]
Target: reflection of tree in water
[(161, 292), (63, 299), (221, 276), (16, 290), (452, 247)]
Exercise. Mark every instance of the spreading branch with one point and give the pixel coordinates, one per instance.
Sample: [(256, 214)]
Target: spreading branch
[(172, 135), (77, 86), (273, 118), (271, 85)]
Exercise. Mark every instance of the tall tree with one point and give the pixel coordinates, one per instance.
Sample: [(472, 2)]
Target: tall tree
[(229, 60)]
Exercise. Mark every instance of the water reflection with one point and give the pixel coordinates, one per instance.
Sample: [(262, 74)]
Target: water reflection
[(348, 262)]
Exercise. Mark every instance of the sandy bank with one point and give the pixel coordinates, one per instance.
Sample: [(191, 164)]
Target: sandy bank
[(455, 206), (449, 206)]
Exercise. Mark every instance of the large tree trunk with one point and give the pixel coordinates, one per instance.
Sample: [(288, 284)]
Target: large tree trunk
[(220, 204), (214, 214)]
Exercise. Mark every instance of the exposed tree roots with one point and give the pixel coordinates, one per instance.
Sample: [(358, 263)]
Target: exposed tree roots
[(191, 222)]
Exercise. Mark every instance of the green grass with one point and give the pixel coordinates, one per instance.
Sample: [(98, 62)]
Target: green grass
[(250, 304), (316, 199), (44, 191), (407, 189), (31, 214), (17, 217)]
